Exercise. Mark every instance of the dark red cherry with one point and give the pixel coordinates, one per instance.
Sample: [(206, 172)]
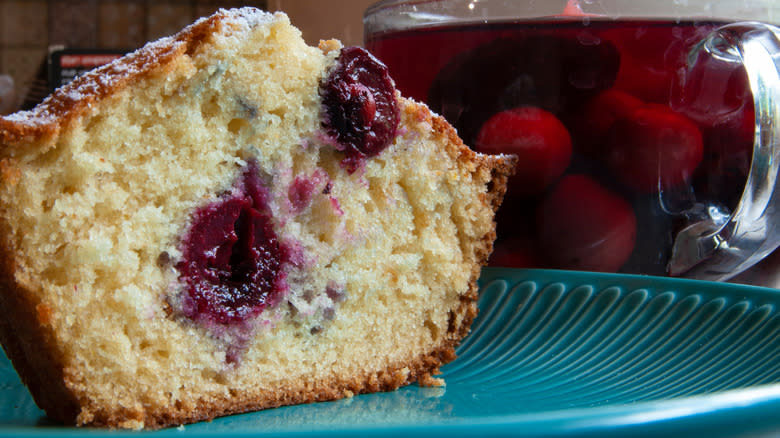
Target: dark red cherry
[(654, 148), (361, 112), (593, 121), (551, 72), (583, 225), (540, 141), (231, 258)]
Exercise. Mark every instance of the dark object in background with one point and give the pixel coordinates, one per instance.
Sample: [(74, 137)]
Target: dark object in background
[(64, 65), (61, 66)]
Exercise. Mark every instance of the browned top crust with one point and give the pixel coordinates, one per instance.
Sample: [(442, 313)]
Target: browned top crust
[(72, 100)]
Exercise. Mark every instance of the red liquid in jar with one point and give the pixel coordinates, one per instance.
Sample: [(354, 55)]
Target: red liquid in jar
[(621, 141)]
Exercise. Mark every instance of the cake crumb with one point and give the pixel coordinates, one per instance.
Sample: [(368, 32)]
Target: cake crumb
[(328, 46), (9, 172), (44, 313), (427, 380)]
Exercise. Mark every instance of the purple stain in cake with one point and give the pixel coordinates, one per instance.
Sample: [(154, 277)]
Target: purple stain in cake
[(335, 292), (300, 193), (303, 189), (232, 261), (329, 313), (361, 111), (295, 252)]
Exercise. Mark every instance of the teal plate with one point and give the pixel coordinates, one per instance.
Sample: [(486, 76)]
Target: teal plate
[(551, 354)]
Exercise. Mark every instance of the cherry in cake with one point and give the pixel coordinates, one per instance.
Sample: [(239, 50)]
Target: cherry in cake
[(361, 113)]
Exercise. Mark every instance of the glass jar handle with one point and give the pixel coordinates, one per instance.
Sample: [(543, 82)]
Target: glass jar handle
[(718, 249)]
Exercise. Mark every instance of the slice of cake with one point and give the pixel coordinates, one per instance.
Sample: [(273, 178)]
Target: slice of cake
[(229, 220)]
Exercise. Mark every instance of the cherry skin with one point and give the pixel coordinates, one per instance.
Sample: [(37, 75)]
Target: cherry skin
[(537, 137), (232, 261), (555, 73), (654, 148), (361, 112), (584, 226), (593, 121)]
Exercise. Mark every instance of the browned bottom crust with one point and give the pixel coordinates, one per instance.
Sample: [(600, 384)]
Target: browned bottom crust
[(303, 392)]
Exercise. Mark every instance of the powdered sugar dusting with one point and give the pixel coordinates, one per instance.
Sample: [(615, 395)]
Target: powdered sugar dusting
[(80, 93), (247, 17), (86, 88)]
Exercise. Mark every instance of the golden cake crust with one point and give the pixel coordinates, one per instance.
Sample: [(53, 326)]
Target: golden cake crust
[(71, 100), (25, 331)]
